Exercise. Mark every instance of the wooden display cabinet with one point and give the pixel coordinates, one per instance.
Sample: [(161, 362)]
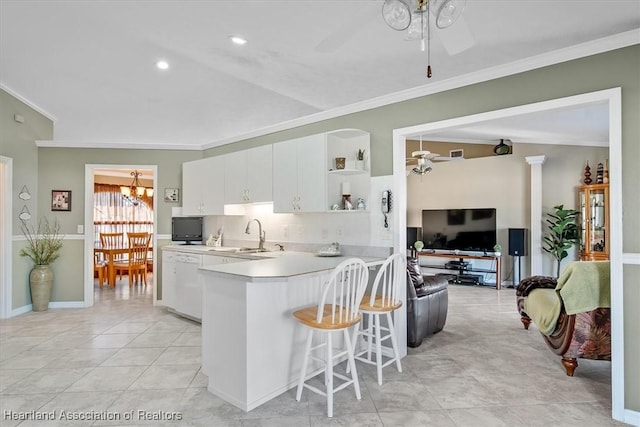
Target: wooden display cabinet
[(593, 202)]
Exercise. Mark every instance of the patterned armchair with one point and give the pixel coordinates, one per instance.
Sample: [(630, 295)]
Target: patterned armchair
[(572, 313)]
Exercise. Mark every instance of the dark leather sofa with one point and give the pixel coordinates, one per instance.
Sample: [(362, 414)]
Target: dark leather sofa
[(427, 303)]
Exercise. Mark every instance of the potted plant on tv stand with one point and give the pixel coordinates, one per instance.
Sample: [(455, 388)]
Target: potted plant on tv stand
[(43, 248), (497, 249)]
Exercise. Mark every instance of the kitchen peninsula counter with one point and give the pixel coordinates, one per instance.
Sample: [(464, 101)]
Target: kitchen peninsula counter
[(252, 347)]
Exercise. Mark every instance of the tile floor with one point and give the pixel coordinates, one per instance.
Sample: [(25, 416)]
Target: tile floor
[(123, 356)]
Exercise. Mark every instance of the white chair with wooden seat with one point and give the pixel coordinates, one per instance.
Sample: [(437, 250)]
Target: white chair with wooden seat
[(136, 264), (383, 300), (337, 310)]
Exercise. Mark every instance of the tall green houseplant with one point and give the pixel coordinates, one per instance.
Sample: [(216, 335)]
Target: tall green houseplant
[(43, 247), (562, 234)]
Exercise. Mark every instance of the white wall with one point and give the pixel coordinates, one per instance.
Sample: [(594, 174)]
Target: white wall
[(502, 182), (348, 228)]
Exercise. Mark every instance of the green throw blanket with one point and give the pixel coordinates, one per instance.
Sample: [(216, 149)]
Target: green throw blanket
[(584, 286), (543, 307)]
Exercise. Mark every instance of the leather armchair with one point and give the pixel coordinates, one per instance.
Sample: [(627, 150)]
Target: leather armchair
[(583, 332), (427, 304)]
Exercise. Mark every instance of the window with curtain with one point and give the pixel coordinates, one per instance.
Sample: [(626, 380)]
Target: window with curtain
[(113, 213)]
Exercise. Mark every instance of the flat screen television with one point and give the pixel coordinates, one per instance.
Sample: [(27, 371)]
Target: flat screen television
[(186, 229), (459, 229)]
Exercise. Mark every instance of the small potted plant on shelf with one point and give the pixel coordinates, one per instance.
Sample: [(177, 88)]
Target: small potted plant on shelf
[(43, 248), (497, 249), (360, 159)]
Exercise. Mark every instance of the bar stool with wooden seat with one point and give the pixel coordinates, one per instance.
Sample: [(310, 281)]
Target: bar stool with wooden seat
[(136, 264), (336, 311), (383, 300)]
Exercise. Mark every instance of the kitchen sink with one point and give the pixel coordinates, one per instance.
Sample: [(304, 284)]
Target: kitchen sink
[(250, 250)]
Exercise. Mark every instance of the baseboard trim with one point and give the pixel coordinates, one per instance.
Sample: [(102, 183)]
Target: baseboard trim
[(66, 304), (52, 304), (21, 310), (631, 417)]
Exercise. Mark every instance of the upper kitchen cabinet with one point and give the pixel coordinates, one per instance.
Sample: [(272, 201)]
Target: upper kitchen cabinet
[(352, 145), (299, 175), (203, 187), (248, 175)]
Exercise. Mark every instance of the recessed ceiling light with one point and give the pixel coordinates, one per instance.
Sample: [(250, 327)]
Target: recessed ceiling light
[(163, 65), (238, 40)]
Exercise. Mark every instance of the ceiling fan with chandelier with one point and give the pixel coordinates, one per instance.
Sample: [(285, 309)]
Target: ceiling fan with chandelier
[(421, 161), (414, 16)]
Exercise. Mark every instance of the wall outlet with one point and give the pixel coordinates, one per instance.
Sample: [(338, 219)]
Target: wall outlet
[(339, 231), (301, 231), (325, 234), (285, 231), (80, 229)]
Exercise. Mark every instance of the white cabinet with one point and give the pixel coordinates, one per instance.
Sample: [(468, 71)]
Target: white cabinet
[(203, 187), (168, 279), (299, 175), (248, 175)]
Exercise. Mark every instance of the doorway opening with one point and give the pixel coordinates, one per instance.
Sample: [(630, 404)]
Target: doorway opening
[(612, 99), (111, 208)]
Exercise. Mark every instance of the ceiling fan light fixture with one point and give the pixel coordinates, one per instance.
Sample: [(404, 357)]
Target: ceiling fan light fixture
[(397, 14), (447, 11), (418, 26)]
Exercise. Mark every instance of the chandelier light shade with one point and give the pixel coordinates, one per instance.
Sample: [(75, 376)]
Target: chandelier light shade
[(447, 11), (397, 14), (136, 191)]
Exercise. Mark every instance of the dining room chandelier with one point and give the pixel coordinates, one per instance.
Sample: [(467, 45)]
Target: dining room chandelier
[(136, 191), (414, 16)]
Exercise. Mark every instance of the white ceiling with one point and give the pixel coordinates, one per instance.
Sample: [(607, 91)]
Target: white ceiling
[(90, 65)]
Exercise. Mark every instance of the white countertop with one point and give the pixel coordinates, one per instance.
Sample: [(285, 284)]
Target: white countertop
[(270, 264)]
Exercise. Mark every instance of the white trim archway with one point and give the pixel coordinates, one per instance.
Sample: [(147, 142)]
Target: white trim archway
[(6, 236), (613, 99)]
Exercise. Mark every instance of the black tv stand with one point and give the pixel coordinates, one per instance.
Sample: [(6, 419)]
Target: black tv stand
[(465, 275)]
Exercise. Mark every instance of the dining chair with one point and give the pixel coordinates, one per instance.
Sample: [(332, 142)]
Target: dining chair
[(337, 310), (384, 299), (100, 267), (136, 264), (113, 241)]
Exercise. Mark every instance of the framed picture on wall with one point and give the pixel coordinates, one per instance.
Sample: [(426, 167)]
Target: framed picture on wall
[(172, 195), (61, 200)]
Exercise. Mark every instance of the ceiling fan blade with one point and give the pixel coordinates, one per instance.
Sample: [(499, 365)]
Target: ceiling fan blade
[(456, 38), (350, 26)]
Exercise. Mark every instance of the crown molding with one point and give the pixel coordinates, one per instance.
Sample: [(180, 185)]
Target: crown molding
[(618, 41), (119, 145), (30, 104)]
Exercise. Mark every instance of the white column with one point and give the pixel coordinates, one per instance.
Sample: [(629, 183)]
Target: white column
[(535, 235)]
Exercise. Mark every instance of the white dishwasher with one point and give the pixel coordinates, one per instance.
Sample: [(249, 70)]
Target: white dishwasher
[(188, 288), (188, 293)]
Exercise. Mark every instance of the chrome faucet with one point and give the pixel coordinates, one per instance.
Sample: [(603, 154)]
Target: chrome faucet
[(261, 233)]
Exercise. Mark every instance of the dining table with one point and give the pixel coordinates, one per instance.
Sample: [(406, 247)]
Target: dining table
[(110, 255)]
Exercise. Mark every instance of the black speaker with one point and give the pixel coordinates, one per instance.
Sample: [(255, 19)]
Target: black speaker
[(517, 242), (413, 234)]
